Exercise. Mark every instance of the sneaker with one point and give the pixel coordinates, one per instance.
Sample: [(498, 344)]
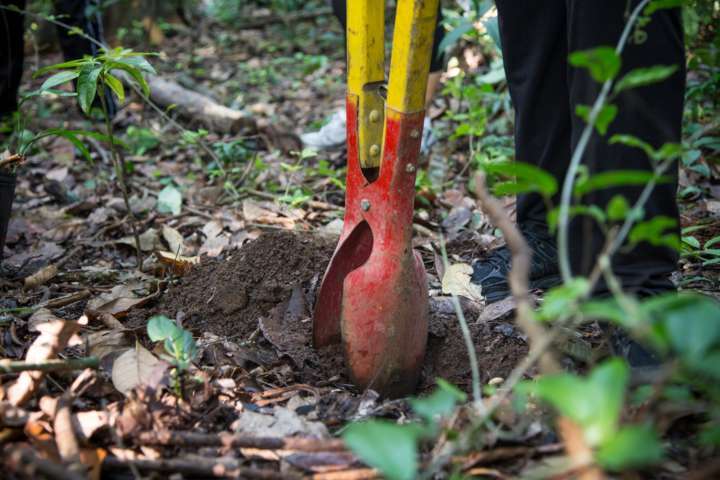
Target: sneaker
[(428, 136), (331, 135), (491, 272)]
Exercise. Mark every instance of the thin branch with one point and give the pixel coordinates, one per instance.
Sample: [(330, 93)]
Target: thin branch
[(53, 365), (230, 440), (570, 432)]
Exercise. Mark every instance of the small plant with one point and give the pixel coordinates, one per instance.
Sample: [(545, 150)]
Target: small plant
[(95, 78), (179, 344)]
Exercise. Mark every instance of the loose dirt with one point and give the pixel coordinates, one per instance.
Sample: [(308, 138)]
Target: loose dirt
[(271, 283)]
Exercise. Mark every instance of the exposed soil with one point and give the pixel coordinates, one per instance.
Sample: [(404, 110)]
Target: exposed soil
[(271, 283)]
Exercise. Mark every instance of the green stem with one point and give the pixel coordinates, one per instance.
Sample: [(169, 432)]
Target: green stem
[(120, 174)]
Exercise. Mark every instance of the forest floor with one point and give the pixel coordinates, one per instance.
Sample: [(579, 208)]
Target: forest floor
[(238, 263)]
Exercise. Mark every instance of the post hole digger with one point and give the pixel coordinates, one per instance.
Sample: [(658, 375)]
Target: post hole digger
[(374, 295)]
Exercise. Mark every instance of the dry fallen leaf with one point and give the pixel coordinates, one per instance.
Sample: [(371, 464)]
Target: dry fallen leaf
[(174, 240), (456, 281), (54, 337), (117, 302), (179, 264), (137, 366)]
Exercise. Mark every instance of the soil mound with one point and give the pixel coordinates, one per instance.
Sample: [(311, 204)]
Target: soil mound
[(228, 296), (271, 283)]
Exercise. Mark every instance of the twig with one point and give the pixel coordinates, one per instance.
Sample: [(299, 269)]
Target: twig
[(14, 158), (24, 461), (52, 365), (205, 468), (229, 440), (52, 303), (506, 453), (571, 433)]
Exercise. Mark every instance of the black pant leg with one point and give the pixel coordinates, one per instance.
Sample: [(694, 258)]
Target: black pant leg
[(12, 55), (652, 113), (75, 14), (533, 36)]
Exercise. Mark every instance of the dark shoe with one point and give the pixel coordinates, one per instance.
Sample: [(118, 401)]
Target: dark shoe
[(491, 272)]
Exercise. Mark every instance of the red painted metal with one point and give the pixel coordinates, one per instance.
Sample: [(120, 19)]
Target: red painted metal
[(374, 296)]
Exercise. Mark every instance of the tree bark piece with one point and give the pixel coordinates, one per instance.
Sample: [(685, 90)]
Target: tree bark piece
[(197, 107)]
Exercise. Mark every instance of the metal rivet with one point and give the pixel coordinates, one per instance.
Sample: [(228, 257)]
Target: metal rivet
[(415, 133), (374, 116), (365, 204), (374, 150), (410, 168)]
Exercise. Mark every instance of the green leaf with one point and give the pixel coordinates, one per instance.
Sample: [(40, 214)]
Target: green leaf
[(390, 448), (134, 73), (688, 323), (640, 77), (594, 403), (607, 309), (115, 85), (528, 178), (439, 403), (653, 232), (456, 34), (618, 208), (656, 5), (602, 62), (169, 200), (589, 210), (616, 178), (60, 66), (87, 86), (559, 300), (138, 62), (633, 141), (631, 447), (58, 79), (604, 117), (691, 241), (161, 327)]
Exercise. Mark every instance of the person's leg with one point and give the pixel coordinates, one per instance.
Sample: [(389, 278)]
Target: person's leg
[(11, 55), (652, 113), (533, 36), (75, 14), (85, 15)]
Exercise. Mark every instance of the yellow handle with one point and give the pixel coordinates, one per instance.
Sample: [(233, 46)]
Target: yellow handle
[(366, 72), (410, 62), (409, 66)]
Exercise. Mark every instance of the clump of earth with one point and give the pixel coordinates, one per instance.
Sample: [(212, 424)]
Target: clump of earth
[(265, 291)]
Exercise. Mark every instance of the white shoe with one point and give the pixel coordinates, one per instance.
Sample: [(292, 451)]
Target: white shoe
[(331, 135), (428, 136)]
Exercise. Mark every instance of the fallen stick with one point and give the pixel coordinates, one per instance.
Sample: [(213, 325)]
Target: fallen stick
[(197, 107), (230, 440), (506, 453), (286, 18), (205, 468), (53, 365), (24, 461)]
